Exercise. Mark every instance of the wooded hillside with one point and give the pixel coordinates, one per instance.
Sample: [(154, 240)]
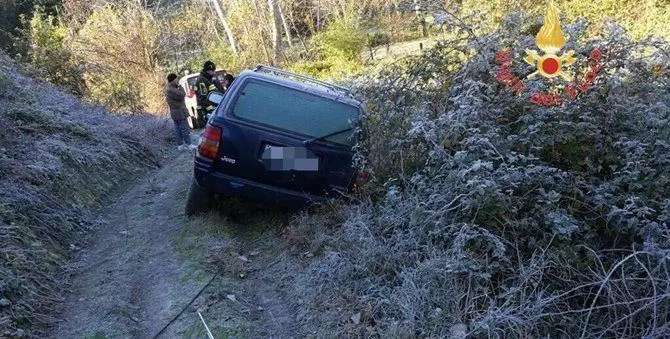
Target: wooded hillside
[(116, 53)]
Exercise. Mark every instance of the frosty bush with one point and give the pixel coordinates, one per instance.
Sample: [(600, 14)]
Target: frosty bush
[(502, 216)]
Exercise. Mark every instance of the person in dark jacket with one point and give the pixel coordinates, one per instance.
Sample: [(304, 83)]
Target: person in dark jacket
[(175, 94), (204, 85)]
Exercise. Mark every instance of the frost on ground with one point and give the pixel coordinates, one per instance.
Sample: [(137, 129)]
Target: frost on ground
[(129, 281), (59, 159), (493, 216), (150, 270)]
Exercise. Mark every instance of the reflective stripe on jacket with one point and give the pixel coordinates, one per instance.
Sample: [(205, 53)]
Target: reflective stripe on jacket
[(203, 86)]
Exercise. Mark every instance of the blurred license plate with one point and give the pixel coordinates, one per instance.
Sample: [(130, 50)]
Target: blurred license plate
[(277, 158)]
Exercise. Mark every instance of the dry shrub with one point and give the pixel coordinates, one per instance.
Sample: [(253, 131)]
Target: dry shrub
[(311, 230), (225, 259)]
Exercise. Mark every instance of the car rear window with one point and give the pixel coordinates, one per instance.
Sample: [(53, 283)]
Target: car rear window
[(296, 111)]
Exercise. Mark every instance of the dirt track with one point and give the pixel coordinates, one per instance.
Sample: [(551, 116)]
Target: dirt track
[(147, 261)]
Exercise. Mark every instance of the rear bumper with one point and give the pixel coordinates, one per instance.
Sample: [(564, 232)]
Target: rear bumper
[(232, 186)]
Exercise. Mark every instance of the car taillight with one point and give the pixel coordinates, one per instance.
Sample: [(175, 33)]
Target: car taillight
[(209, 144)]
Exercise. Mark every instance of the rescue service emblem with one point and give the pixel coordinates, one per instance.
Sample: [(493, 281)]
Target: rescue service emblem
[(549, 64)]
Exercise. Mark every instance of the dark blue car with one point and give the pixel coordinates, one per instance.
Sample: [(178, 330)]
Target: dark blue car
[(277, 137)]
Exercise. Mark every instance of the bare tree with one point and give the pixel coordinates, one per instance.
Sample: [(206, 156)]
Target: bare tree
[(285, 23), (260, 31), (276, 30), (226, 27)]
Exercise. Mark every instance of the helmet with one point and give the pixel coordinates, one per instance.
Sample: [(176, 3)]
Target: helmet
[(209, 66)]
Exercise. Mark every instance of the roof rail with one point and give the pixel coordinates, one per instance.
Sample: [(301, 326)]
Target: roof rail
[(268, 69)]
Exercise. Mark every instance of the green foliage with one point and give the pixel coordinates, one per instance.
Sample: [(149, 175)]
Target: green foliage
[(45, 31), (11, 13), (337, 51), (117, 93), (341, 40), (47, 51), (217, 51), (313, 68), (119, 46), (221, 54), (378, 38)]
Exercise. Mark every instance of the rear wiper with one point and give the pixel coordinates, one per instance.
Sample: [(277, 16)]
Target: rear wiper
[(310, 141)]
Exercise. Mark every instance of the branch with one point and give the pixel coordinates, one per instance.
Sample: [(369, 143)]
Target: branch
[(609, 275)]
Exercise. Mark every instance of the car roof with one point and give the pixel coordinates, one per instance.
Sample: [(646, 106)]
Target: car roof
[(299, 85)]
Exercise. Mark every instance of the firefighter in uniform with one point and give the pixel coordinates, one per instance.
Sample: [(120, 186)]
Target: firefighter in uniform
[(203, 86)]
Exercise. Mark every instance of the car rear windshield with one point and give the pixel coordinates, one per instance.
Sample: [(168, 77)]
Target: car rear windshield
[(296, 111)]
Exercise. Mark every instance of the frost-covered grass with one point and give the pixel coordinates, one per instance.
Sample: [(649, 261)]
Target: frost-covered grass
[(495, 217), (59, 158)]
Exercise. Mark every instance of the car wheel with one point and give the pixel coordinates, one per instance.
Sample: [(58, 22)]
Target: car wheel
[(192, 123), (200, 199)]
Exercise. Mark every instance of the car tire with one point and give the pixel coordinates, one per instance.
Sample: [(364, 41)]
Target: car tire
[(199, 200), (192, 122)]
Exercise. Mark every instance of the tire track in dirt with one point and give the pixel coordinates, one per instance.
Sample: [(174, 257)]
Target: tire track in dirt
[(127, 281), (146, 262)]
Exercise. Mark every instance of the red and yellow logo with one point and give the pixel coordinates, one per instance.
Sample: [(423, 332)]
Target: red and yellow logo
[(550, 64), (550, 40)]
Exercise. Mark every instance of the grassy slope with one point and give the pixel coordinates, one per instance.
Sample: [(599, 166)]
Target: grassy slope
[(59, 158)]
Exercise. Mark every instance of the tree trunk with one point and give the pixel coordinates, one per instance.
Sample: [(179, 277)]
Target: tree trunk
[(318, 15), (286, 28), (265, 46), (229, 32), (276, 31)]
